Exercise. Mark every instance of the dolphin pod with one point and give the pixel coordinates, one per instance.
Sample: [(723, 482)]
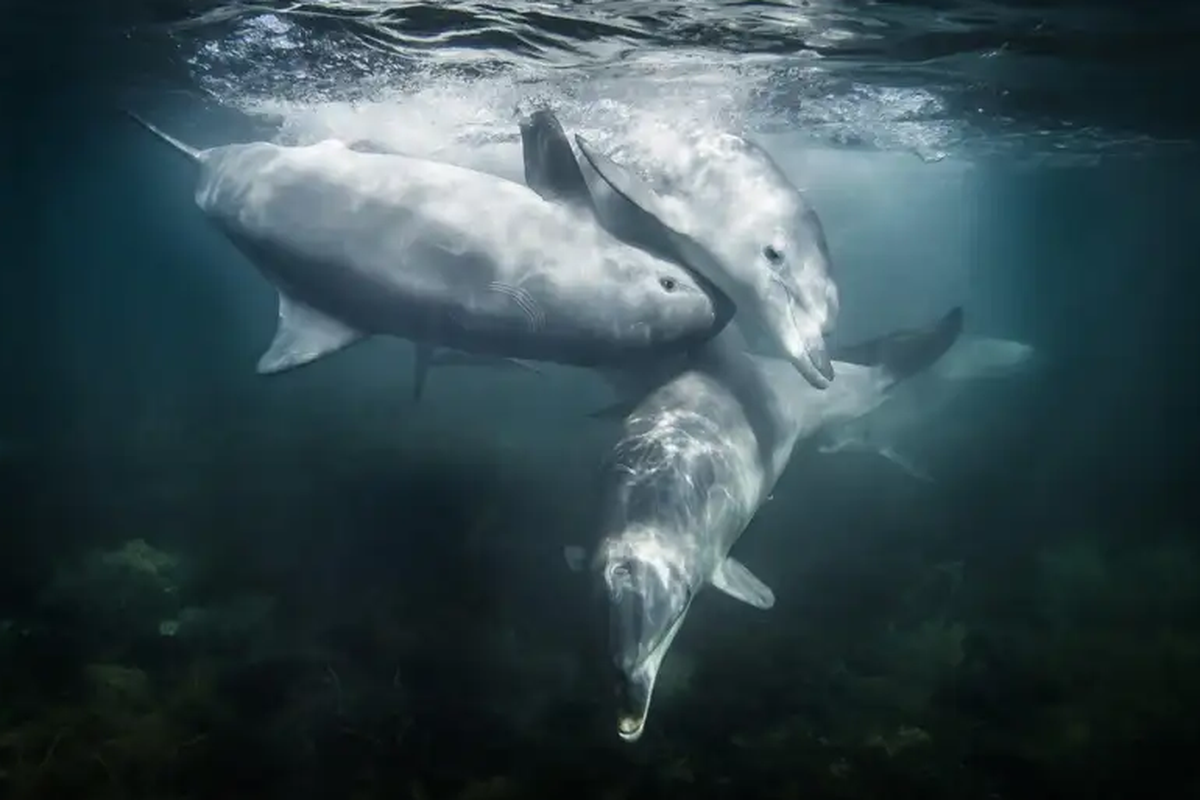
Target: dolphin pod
[(703, 441), (585, 265), (359, 244)]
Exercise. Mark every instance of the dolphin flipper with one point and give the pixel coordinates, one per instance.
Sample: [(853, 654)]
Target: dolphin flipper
[(734, 579), (626, 203), (550, 166), (618, 410), (905, 353), (457, 358), (426, 358), (302, 336), (642, 220)]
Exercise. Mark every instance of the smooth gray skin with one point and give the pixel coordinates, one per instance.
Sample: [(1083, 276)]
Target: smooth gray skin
[(695, 460), (728, 206), (365, 243), (920, 400)]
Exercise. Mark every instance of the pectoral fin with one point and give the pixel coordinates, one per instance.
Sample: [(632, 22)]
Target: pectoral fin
[(428, 357), (618, 410), (302, 336), (735, 580), (457, 358), (649, 227)]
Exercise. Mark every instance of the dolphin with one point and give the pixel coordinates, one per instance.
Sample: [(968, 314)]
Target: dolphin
[(695, 460), (730, 213), (360, 244), (924, 398)]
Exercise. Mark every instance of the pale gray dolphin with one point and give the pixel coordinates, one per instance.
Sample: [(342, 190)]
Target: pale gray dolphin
[(731, 213), (359, 244), (924, 398), (694, 462)]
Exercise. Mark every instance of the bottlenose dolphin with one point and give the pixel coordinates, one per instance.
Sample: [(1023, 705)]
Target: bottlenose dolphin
[(694, 462), (730, 212), (924, 398), (364, 243)]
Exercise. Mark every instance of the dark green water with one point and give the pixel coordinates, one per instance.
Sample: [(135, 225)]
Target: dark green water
[(215, 584)]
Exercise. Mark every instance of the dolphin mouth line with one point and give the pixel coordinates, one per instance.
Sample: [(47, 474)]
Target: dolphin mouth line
[(811, 369), (817, 370)]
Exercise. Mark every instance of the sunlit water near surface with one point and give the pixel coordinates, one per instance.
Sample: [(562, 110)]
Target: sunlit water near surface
[(217, 584)]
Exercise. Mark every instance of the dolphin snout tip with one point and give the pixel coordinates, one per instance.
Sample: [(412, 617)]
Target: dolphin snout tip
[(812, 361), (630, 727)]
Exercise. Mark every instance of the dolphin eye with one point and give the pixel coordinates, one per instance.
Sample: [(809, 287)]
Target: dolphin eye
[(667, 283), (772, 254)]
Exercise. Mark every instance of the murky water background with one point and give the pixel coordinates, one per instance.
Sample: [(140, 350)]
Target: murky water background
[(216, 584)]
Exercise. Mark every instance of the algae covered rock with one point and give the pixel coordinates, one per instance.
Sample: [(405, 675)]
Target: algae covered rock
[(133, 586)]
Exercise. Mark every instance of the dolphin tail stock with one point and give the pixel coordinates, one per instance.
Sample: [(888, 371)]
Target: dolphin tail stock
[(194, 155), (905, 353)]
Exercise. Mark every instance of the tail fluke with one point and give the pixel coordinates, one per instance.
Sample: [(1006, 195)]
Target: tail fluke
[(192, 153), (905, 353)]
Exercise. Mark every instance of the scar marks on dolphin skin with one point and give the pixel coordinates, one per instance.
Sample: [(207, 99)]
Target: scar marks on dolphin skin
[(534, 316), (499, 318)]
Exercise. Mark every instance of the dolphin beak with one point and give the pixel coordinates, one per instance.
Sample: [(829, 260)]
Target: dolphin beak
[(805, 348), (812, 361), (818, 362), (633, 703), (644, 613)]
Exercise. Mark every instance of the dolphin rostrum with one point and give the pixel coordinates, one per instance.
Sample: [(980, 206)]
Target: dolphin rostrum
[(695, 460), (361, 244)]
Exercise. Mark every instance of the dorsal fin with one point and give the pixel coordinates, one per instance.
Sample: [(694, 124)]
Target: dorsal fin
[(550, 166)]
